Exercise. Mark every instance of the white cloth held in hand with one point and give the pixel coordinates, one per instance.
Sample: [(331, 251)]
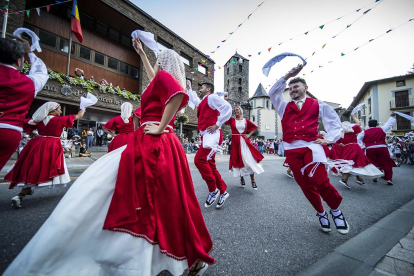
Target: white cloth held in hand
[(88, 101), (35, 39), (357, 108), (148, 39), (408, 117)]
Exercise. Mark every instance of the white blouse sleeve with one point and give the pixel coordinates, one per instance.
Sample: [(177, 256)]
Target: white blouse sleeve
[(193, 100), (360, 139), (276, 96), (217, 103), (331, 122), (389, 124), (38, 72)]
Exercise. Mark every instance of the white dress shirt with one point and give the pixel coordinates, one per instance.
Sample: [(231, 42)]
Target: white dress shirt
[(388, 125), (38, 74), (330, 119)]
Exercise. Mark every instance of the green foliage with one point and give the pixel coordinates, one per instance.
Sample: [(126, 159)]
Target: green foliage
[(181, 118)]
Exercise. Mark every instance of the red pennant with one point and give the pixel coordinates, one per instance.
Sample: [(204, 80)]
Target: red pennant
[(250, 55), (223, 41), (320, 66), (48, 8)]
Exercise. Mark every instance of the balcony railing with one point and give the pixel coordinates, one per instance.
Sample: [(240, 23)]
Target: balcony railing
[(402, 103)]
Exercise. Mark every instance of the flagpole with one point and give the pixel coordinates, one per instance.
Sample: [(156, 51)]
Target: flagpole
[(70, 47), (3, 32)]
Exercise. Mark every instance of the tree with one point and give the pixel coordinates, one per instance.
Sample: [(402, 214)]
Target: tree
[(412, 70)]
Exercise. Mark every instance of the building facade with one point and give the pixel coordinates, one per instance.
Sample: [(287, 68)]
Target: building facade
[(382, 97), (106, 52), (263, 114)]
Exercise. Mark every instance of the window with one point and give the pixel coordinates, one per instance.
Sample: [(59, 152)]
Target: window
[(253, 118), (47, 38), (228, 83), (267, 127), (126, 41), (401, 99), (240, 68), (112, 63), (99, 58), (113, 35), (73, 49), (267, 104), (134, 72), (239, 89), (185, 59), (101, 28), (86, 21), (84, 52), (123, 67), (162, 44), (228, 70), (202, 69), (63, 45), (369, 106), (403, 123), (240, 80), (400, 83)]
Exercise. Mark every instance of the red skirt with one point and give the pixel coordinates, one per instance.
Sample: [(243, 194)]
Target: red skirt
[(119, 141), (336, 152), (154, 198), (40, 161), (355, 153)]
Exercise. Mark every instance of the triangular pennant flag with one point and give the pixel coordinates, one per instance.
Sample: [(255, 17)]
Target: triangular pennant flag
[(280, 43), (233, 61), (313, 53), (212, 52), (231, 33), (339, 18), (208, 72), (214, 70), (370, 40), (203, 60), (365, 12), (225, 65), (28, 13), (219, 67), (259, 53), (207, 56), (388, 31), (249, 16), (342, 54), (377, 1), (356, 48), (291, 39), (323, 45), (348, 25), (249, 55), (38, 11), (223, 41), (320, 66), (269, 49), (239, 25), (358, 10), (411, 19), (218, 47), (6, 7), (48, 8), (304, 74), (329, 61), (334, 36), (321, 26), (307, 33), (312, 71), (260, 4)]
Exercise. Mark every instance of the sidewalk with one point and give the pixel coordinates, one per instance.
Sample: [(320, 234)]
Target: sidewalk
[(386, 248)]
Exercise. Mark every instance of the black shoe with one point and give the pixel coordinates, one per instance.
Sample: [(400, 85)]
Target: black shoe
[(341, 229), (375, 180), (345, 183), (325, 227), (389, 182), (254, 185), (242, 183)]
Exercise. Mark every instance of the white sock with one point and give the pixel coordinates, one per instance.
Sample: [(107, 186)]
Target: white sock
[(338, 222), (324, 221)]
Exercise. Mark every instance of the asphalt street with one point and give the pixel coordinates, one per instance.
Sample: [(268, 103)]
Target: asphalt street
[(271, 231)]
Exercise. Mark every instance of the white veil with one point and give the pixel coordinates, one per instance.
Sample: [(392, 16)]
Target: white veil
[(126, 111), (171, 62)]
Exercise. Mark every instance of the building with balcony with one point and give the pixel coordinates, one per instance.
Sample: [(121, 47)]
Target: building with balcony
[(384, 96)]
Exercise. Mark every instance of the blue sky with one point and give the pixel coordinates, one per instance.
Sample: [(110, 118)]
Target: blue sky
[(205, 24)]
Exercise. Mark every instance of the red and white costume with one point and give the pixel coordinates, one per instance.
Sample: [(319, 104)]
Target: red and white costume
[(300, 130), (142, 193), (244, 157), (211, 110), (373, 140), (124, 131), (17, 92), (41, 163)]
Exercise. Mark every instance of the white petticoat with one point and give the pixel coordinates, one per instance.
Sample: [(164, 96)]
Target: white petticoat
[(72, 242), (368, 171), (250, 164)]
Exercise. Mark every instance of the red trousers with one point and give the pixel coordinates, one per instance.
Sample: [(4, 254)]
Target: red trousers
[(208, 169), (9, 142), (313, 187), (380, 158)]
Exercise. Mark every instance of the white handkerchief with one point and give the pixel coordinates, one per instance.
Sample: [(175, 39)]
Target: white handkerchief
[(357, 108), (35, 39), (88, 101), (221, 93), (148, 39)]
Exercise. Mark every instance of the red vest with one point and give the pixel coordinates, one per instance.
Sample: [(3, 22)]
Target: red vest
[(17, 93), (374, 136), (206, 115), (303, 124)]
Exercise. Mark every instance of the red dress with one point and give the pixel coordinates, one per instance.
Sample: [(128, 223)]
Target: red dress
[(351, 150), (42, 158), (236, 159), (154, 196), (124, 131)]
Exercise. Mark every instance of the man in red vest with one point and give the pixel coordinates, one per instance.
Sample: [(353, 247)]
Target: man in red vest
[(303, 147), (212, 112), (17, 92), (373, 139)]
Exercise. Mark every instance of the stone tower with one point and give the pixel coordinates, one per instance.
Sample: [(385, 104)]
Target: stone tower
[(236, 79)]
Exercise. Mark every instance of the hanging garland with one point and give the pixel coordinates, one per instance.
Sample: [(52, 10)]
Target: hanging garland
[(181, 118)]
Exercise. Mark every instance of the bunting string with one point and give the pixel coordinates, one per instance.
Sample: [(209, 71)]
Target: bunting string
[(6, 11)]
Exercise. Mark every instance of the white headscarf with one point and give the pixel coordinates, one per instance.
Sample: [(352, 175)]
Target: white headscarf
[(347, 127), (239, 107), (171, 62), (43, 112), (126, 111)]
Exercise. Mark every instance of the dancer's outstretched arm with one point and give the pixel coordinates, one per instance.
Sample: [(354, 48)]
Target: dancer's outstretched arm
[(138, 48)]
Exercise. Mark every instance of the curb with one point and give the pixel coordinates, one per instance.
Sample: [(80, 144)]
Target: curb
[(359, 255)]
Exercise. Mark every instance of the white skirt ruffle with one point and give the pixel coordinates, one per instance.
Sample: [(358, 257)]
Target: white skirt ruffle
[(250, 164), (72, 241)]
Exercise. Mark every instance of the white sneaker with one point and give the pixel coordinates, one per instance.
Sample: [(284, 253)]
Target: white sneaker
[(212, 197), (222, 199), (360, 181), (70, 156), (17, 202), (344, 182), (290, 174)]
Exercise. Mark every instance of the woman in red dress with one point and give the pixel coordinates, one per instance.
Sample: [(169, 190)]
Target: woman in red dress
[(42, 163), (134, 211), (124, 125), (244, 157)]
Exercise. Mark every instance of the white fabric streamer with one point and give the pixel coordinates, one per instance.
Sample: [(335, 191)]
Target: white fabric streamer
[(357, 108), (221, 93), (126, 111), (35, 39), (408, 117), (42, 112), (88, 101), (148, 39)]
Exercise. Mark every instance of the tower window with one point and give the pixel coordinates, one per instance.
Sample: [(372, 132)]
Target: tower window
[(228, 70), (240, 80), (240, 68), (240, 89), (253, 118)]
